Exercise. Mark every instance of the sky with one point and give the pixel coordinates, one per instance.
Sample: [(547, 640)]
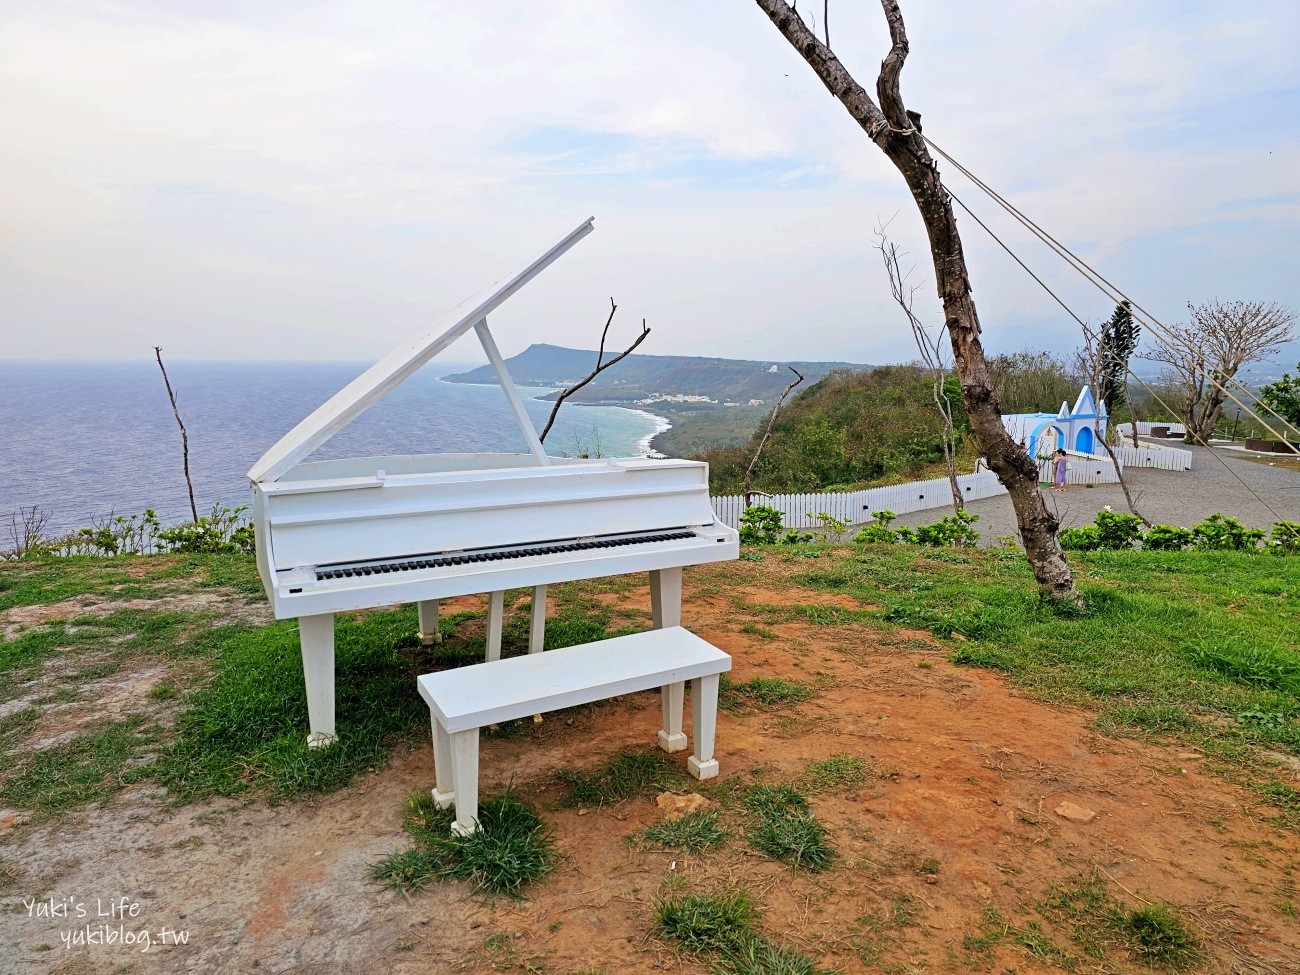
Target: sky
[(302, 180)]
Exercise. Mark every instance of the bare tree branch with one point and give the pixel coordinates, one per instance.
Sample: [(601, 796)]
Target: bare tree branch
[(749, 471), (930, 349), (1206, 353), (601, 366), (185, 437)]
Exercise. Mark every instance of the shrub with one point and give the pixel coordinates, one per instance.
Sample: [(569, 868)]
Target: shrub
[(760, 525), (1116, 529), (1082, 539), (1285, 538), (831, 528), (878, 531), (1218, 532), (222, 530), (952, 530), (1167, 538)]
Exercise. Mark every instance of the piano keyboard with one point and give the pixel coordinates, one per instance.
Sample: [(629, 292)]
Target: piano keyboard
[(355, 570)]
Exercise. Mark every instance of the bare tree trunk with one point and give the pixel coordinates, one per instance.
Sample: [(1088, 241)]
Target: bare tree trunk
[(749, 471), (185, 437), (895, 131), (601, 366)]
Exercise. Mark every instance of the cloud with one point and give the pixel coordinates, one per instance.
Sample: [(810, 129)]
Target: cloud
[(317, 180)]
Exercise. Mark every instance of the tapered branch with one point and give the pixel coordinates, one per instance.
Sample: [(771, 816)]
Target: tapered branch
[(749, 471), (185, 438), (601, 366)]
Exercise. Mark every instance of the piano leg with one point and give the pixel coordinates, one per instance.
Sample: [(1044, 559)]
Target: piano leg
[(444, 792), (429, 632), (704, 711), (537, 625), (316, 633), (495, 623), (464, 758), (666, 607)]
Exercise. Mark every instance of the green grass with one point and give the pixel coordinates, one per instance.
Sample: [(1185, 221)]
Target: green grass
[(511, 849), (622, 777), (1155, 935), (707, 922), (721, 926), (696, 832), (1176, 644), (835, 773), (88, 768), (247, 727), (786, 829), (758, 956), (764, 692)]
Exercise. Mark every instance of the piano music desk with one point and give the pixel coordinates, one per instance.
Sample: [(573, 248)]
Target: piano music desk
[(463, 700)]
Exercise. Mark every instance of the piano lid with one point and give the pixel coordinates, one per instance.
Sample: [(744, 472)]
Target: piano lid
[(400, 364)]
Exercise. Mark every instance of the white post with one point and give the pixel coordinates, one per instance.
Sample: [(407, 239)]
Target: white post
[(704, 711), (444, 792), (537, 624), (666, 607), (429, 632), (495, 623), (316, 634), (464, 759)]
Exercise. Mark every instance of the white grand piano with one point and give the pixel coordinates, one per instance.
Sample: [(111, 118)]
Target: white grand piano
[(341, 535)]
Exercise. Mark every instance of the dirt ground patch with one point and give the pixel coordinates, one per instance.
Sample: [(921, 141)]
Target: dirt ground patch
[(954, 818)]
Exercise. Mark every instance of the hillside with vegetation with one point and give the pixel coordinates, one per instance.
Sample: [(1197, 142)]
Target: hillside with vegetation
[(641, 377), (846, 430)]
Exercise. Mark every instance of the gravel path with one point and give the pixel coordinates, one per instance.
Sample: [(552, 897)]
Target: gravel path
[(1165, 497)]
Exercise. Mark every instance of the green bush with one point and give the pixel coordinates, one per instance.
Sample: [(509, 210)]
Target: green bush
[(221, 530), (878, 531), (1285, 538), (952, 530), (1116, 529), (1167, 538), (760, 525), (1221, 533), (1082, 539)]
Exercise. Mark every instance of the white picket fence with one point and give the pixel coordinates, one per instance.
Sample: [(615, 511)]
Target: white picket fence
[(1161, 458), (856, 507)]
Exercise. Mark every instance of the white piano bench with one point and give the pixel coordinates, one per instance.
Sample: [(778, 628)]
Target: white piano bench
[(463, 700)]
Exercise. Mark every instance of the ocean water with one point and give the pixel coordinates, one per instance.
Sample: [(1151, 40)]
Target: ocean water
[(85, 440)]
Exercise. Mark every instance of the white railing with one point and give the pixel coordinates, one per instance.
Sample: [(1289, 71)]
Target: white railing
[(1144, 428), (856, 507)]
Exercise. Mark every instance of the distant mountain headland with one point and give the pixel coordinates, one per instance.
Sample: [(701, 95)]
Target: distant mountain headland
[(656, 379)]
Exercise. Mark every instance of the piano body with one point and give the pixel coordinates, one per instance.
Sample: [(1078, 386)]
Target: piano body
[(357, 533)]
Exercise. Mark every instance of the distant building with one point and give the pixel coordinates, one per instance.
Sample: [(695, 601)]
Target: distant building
[(1074, 429), (756, 402), (773, 369)]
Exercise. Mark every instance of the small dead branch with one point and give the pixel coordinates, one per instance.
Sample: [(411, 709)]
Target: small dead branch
[(749, 471), (930, 348), (26, 532), (601, 366), (185, 437)]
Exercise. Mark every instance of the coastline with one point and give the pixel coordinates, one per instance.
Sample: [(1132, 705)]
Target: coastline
[(644, 445)]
